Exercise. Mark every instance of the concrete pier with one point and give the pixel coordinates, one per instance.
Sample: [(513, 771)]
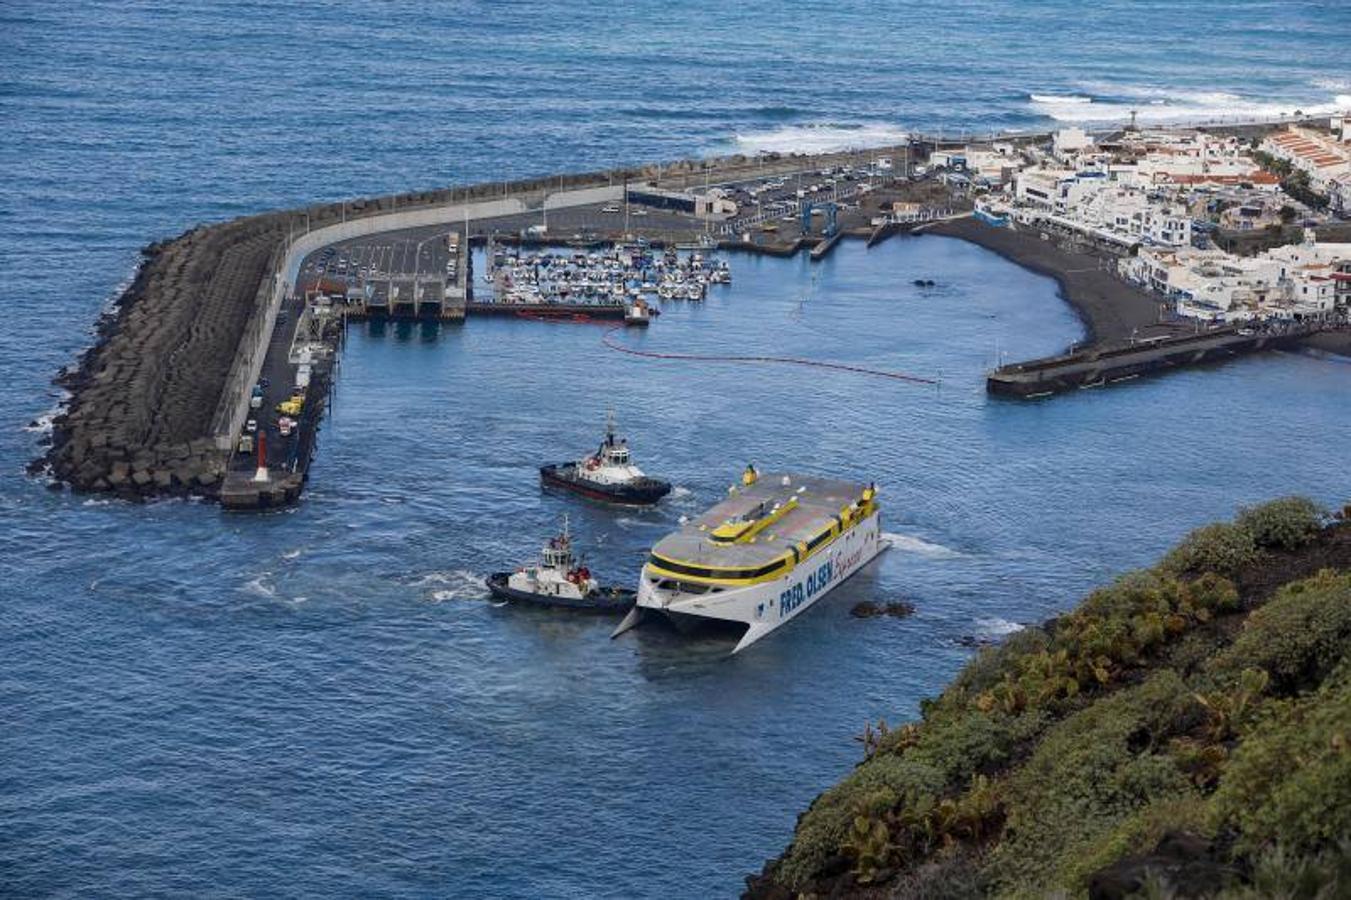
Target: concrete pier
[(1099, 367)]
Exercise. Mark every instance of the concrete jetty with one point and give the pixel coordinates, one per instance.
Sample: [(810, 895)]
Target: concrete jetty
[(1102, 366)]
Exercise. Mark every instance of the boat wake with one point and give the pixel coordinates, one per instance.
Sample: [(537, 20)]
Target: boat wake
[(259, 586), (458, 584), (910, 544)]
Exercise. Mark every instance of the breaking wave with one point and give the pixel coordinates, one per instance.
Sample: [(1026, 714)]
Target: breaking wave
[(824, 138), (997, 627), (1115, 103), (1059, 98)]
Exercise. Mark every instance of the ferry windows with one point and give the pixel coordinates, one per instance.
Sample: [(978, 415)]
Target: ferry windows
[(724, 574)]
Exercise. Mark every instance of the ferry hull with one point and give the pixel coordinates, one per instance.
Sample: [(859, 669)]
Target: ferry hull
[(764, 607)]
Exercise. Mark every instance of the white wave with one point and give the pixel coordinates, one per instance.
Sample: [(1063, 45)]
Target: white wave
[(997, 627), (291, 554), (1059, 98), (680, 493), (1162, 105), (259, 586), (907, 543), (43, 423), (1332, 84), (820, 138), (96, 501), (459, 584)]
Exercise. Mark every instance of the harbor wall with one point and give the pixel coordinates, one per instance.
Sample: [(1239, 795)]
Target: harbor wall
[(232, 407)]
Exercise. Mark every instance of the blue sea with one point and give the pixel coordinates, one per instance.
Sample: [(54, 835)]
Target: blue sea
[(322, 701)]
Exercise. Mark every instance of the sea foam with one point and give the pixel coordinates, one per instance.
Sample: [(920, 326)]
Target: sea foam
[(821, 138)]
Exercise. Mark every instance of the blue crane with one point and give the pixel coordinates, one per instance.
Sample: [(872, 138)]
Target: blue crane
[(831, 209)]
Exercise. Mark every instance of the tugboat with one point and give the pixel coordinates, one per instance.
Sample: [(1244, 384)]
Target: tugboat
[(560, 580), (608, 474), (638, 313)]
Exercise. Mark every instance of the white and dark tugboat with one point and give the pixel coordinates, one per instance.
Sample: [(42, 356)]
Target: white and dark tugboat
[(608, 475), (560, 579)]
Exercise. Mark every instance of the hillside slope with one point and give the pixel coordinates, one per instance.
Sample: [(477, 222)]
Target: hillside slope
[(1185, 731)]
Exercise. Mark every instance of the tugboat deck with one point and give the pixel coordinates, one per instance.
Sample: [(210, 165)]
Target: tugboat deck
[(819, 501)]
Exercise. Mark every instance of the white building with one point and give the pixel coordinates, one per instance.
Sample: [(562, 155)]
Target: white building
[(1069, 141), (1324, 159), (1296, 281)]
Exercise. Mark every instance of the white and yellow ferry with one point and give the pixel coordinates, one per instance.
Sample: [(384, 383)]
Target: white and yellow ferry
[(772, 548)]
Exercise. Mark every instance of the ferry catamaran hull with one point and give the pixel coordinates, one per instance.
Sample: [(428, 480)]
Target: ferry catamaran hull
[(847, 544)]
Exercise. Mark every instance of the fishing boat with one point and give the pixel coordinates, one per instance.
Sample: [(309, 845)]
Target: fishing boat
[(559, 579), (608, 474), (763, 556)]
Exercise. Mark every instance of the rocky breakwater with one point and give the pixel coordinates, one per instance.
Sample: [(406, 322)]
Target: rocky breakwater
[(144, 397), (151, 411)]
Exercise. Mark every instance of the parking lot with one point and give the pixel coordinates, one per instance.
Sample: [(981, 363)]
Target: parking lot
[(397, 255)]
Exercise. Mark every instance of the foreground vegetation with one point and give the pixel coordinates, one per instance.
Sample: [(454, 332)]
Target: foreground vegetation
[(1186, 731)]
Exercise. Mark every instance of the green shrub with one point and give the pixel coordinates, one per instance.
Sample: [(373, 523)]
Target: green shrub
[(974, 742), (883, 782), (1280, 874), (1297, 636), (1220, 548), (1289, 780), (1087, 775), (1139, 832), (1285, 524), (986, 669)]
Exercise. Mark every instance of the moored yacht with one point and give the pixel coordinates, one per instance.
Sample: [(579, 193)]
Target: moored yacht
[(774, 547)]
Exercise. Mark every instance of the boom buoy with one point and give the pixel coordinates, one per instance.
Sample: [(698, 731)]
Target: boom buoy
[(785, 360)]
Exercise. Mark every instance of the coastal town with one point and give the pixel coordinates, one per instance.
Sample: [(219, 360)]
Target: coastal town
[(1223, 228)]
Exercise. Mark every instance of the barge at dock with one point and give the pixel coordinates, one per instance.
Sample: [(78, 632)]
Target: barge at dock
[(1097, 367), (775, 546)]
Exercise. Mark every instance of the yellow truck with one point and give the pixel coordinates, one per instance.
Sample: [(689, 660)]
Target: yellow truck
[(292, 405)]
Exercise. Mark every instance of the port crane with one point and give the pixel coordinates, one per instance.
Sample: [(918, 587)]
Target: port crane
[(831, 209)]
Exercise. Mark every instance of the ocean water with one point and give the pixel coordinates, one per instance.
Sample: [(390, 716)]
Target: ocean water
[(322, 700)]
